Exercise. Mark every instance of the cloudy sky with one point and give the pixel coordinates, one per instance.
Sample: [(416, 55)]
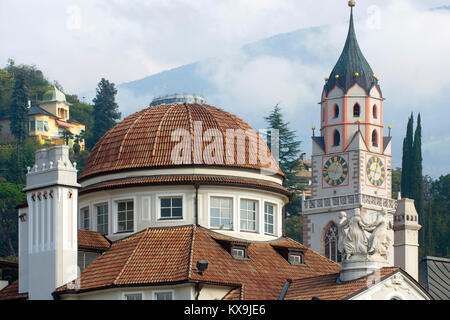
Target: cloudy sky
[(78, 42)]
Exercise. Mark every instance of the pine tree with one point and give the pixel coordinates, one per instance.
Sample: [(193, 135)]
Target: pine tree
[(407, 160), (106, 110), (289, 147), (19, 109), (288, 161)]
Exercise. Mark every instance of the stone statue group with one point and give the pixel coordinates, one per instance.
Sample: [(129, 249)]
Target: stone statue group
[(353, 238)]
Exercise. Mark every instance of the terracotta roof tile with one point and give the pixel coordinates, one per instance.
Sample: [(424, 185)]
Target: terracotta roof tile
[(143, 139), (186, 179), (169, 255), (92, 240), (325, 287), (11, 292)]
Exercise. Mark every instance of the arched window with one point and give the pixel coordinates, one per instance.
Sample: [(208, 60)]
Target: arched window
[(375, 111), (336, 111), (336, 138), (375, 138), (356, 110), (323, 114), (331, 240)]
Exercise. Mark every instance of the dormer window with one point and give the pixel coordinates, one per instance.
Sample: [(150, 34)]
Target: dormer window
[(238, 252), (295, 256), (237, 249)]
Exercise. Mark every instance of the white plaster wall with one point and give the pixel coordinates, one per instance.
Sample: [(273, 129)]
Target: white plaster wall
[(146, 209), (23, 251), (181, 292), (396, 286)]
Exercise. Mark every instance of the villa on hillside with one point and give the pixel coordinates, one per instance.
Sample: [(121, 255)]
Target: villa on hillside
[(47, 121)]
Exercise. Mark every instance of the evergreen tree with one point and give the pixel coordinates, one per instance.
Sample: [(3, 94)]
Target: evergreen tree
[(105, 109), (19, 109), (407, 160), (288, 158), (289, 147), (417, 183)]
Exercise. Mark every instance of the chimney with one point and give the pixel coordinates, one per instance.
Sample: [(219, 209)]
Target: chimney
[(406, 237)]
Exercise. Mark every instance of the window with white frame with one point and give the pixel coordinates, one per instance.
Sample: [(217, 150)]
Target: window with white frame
[(296, 258), (163, 295), (125, 216), (102, 218), (269, 218), (171, 207), (249, 214), (221, 213), (132, 296), (85, 218)]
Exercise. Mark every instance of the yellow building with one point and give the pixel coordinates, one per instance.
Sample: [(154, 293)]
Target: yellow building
[(48, 121)]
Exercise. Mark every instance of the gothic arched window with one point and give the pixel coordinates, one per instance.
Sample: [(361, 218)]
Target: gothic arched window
[(375, 111), (375, 138), (356, 110), (336, 138), (331, 240), (336, 111)]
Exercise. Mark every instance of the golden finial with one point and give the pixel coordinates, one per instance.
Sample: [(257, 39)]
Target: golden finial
[(357, 74), (336, 76), (326, 79), (389, 127), (351, 4)]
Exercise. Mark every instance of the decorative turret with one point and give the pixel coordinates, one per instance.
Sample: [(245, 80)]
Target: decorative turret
[(351, 67), (48, 231), (406, 237)]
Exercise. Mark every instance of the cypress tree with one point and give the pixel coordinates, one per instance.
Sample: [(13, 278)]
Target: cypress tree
[(106, 110), (19, 108), (417, 183), (417, 177), (407, 160)]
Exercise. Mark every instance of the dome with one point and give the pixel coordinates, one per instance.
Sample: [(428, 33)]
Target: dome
[(53, 95), (144, 140)]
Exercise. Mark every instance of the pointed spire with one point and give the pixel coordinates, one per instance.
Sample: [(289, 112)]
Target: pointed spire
[(351, 67)]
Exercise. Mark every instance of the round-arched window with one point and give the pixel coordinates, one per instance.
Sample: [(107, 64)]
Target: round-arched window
[(375, 111), (375, 138), (335, 111), (336, 138), (356, 110)]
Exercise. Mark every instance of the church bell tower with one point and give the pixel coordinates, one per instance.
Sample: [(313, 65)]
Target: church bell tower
[(351, 158)]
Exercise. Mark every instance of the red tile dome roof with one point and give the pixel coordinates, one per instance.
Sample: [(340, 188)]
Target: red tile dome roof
[(143, 140)]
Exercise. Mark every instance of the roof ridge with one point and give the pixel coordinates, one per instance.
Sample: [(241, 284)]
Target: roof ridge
[(129, 257), (126, 134), (161, 122), (191, 252)]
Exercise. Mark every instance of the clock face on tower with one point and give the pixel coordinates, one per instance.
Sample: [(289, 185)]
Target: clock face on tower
[(376, 172), (335, 171)]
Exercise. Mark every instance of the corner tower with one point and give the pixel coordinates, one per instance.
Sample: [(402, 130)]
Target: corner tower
[(351, 159)]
